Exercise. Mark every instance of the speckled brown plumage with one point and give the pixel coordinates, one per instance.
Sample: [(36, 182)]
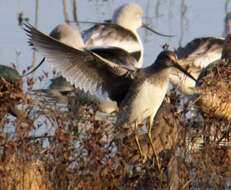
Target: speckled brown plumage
[(195, 56), (214, 86)]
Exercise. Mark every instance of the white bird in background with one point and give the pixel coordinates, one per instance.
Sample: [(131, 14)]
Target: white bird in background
[(67, 35), (121, 32)]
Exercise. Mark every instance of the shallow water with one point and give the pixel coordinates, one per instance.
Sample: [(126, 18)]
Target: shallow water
[(202, 18)]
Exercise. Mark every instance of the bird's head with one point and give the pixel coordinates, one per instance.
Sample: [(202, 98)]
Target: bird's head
[(128, 16), (168, 59)]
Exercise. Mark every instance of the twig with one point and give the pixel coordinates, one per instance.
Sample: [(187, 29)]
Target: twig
[(65, 11), (75, 13)]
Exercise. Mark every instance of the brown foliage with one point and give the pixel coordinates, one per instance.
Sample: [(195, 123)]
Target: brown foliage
[(50, 148)]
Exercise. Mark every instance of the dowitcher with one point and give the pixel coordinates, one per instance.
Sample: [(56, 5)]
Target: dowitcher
[(121, 32), (10, 86), (138, 92), (197, 55), (213, 86)]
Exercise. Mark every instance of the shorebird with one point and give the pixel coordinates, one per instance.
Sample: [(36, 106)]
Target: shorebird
[(59, 89), (63, 91), (121, 32), (197, 55), (67, 35), (10, 85), (138, 92), (213, 86)]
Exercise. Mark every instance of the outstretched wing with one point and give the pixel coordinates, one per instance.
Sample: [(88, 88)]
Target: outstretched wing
[(83, 68)]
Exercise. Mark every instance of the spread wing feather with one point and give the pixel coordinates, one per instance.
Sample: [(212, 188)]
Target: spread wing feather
[(83, 68)]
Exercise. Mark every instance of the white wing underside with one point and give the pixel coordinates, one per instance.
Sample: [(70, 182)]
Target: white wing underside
[(74, 64)]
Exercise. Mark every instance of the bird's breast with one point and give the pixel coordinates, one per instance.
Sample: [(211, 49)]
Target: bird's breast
[(147, 100)]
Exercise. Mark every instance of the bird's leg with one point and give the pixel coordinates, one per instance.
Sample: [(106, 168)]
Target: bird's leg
[(150, 139), (137, 141)]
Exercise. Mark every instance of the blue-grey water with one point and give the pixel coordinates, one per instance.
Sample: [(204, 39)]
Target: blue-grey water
[(202, 18)]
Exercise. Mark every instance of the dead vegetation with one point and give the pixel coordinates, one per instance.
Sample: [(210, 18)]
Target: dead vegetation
[(214, 90), (49, 148)]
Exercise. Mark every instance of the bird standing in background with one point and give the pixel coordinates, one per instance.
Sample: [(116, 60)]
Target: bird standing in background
[(196, 56), (121, 32), (213, 86), (59, 89), (67, 35)]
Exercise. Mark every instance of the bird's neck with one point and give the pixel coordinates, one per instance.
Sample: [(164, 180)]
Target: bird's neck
[(159, 75), (158, 67)]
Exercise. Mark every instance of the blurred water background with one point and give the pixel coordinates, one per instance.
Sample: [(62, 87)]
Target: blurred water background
[(185, 19)]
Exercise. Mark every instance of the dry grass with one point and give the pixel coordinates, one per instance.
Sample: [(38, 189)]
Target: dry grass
[(215, 91), (51, 149)]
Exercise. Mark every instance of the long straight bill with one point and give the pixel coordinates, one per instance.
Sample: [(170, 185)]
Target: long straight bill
[(143, 25), (154, 31), (176, 65)]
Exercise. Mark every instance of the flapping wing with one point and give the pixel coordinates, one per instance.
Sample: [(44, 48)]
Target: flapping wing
[(85, 69)]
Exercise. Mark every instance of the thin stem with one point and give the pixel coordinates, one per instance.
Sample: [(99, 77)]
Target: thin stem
[(75, 13), (182, 19), (65, 11), (36, 25)]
